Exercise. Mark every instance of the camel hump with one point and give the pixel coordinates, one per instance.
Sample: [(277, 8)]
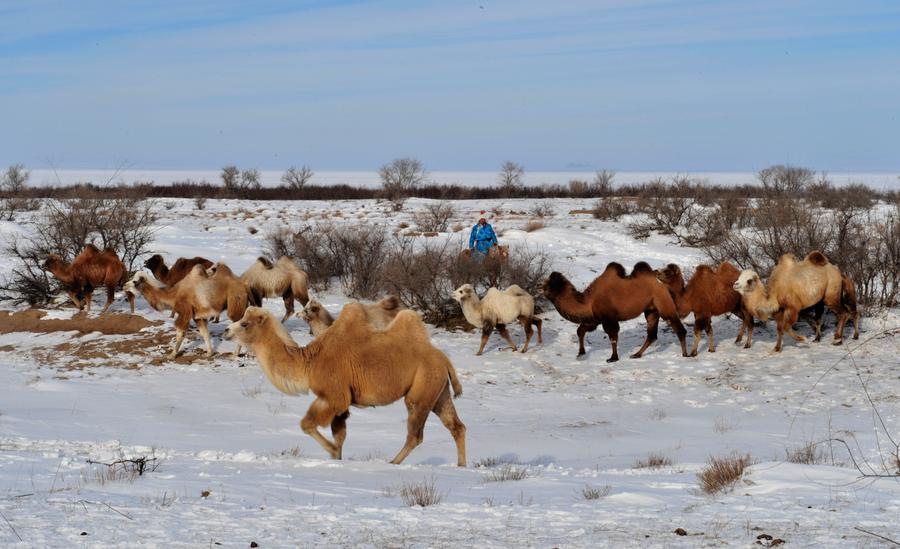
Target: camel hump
[(817, 258), (264, 262), (516, 290), (409, 323), (726, 267), (615, 268), (642, 268), (787, 259), (390, 303)]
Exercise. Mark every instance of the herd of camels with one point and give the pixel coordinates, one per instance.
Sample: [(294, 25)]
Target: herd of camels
[(392, 356)]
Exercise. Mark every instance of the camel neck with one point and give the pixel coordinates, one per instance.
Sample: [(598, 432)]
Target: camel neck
[(286, 367)]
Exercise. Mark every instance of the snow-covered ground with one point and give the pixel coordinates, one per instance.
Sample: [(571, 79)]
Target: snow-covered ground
[(233, 467)]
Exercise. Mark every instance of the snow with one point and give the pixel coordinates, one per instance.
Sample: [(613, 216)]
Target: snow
[(234, 467)]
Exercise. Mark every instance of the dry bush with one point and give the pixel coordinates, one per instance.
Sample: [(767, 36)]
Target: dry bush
[(9, 207), (422, 493), (434, 217), (808, 454), (579, 188), (418, 275), (722, 473), (297, 178), (200, 202), (591, 493), (15, 180), (611, 209), (653, 461), (542, 209), (511, 177), (401, 177), (127, 470), (123, 224), (532, 226), (506, 473), (493, 461)]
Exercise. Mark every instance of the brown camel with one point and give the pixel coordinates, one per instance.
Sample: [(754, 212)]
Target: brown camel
[(709, 293), (172, 275), (352, 364), (613, 297), (90, 269)]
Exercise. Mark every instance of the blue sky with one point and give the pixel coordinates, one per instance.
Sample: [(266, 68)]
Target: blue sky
[(554, 85)]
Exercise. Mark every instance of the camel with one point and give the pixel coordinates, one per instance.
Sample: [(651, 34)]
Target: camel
[(793, 286), (496, 310), (171, 275), (283, 279), (380, 314), (90, 269), (352, 364), (500, 252), (709, 293), (196, 297), (613, 297)]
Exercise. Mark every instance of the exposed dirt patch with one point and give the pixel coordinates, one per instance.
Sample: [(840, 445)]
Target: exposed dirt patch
[(31, 320)]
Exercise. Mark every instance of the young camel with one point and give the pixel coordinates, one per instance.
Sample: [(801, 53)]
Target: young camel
[(793, 286), (196, 297), (90, 269), (283, 279), (496, 310), (380, 314), (709, 293), (352, 364), (613, 297)]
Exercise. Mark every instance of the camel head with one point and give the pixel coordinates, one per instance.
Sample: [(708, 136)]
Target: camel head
[(53, 261), (669, 273), (747, 282), (154, 262), (464, 292), (554, 285), (311, 311), (252, 327), (134, 285)]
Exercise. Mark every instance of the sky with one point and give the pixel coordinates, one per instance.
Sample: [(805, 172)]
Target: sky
[(461, 85)]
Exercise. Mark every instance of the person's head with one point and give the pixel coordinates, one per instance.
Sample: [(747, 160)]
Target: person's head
[(482, 221)]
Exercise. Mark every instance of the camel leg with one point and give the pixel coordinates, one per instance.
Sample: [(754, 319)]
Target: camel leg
[(288, 297), (789, 319), (486, 330), (88, 297), (652, 330), (110, 295), (839, 330), (74, 297), (699, 323), (445, 410), (339, 431), (415, 428), (585, 328), (179, 337), (130, 297), (748, 322), (818, 311), (709, 336), (855, 325), (505, 335), (537, 324), (612, 331), (204, 331), (526, 324), (319, 414), (677, 327)]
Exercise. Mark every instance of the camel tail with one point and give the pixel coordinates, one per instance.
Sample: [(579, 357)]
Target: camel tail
[(454, 381), (390, 303), (848, 295), (237, 304), (817, 258)]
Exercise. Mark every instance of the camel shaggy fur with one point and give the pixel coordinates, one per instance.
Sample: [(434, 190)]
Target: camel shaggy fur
[(89, 270), (709, 293), (352, 364), (283, 279), (793, 286), (613, 297), (196, 297), (496, 310), (379, 314)]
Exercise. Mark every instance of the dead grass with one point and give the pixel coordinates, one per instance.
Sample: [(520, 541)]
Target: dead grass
[(506, 473), (808, 454), (653, 461), (493, 461), (590, 493), (532, 226), (422, 493), (722, 473)]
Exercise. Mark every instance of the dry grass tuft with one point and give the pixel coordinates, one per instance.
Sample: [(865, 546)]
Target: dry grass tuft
[(653, 461), (423, 493), (532, 226), (722, 473), (591, 493), (808, 454), (506, 473)]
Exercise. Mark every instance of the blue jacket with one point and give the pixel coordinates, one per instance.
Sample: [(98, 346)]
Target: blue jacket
[(482, 238)]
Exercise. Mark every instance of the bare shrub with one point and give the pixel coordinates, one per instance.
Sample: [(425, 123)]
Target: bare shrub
[(435, 217), (669, 211), (532, 226), (603, 182), (579, 188), (422, 493), (542, 209), (401, 177), (506, 473), (790, 181), (9, 207), (653, 461), (200, 202), (611, 209), (231, 178), (807, 454), (127, 470), (510, 177), (297, 178), (591, 493), (418, 275), (125, 225), (723, 473), (250, 179), (493, 461), (15, 180)]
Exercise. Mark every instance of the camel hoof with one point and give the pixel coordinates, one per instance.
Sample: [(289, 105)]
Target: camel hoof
[(692, 355), (515, 349), (612, 359), (855, 336), (638, 355), (478, 353), (746, 345), (837, 342), (801, 339), (713, 350)]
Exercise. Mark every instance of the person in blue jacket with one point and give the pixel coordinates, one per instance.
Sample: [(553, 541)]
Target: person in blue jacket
[(482, 238)]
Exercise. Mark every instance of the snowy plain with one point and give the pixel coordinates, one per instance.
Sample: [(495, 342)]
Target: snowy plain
[(234, 467)]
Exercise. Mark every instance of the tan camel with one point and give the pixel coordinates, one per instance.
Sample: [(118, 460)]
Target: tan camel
[(380, 314), (352, 364), (90, 269)]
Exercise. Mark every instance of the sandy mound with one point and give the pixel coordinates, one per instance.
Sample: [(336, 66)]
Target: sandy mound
[(30, 320)]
